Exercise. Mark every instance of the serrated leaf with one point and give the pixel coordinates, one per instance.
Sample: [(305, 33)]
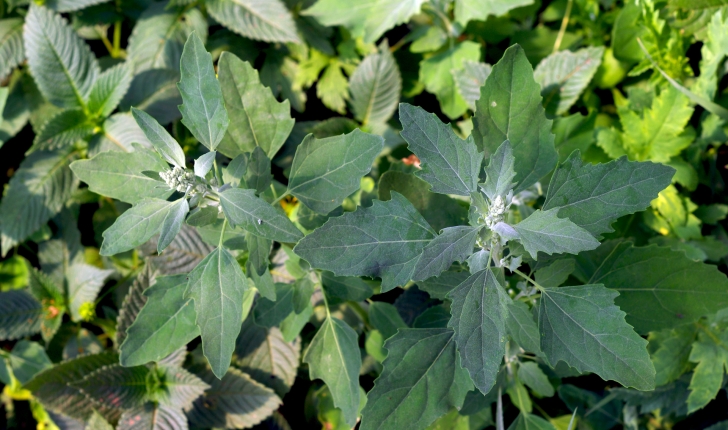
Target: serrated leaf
[(155, 92), (119, 133), (522, 328), (469, 79), (160, 138), (479, 313), (384, 240), (531, 375), (63, 130), (564, 75), (264, 355), (52, 389), (182, 255), (38, 190), (134, 302), (109, 89), (163, 325), (243, 208), (582, 326), (70, 5), (449, 164), (370, 20), (11, 44), (150, 416), (545, 232), (179, 388), (467, 10), (135, 226), (712, 54), (333, 356), (712, 359), (119, 175), (346, 287), (52, 298), (172, 223), (385, 318), (500, 172), (256, 117), (422, 379), (236, 401), (672, 353), (27, 359), (375, 87), (266, 20), (84, 283), (115, 386), (436, 73), (61, 63), (510, 109), (594, 195), (326, 171), (203, 108), (656, 285), (452, 244), (217, 286), (159, 36)]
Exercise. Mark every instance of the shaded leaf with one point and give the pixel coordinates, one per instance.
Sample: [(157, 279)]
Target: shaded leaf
[(243, 208), (375, 87), (564, 75), (452, 244)]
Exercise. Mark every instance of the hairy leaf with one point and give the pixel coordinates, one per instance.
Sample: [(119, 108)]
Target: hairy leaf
[(500, 172), (160, 138), (449, 164), (594, 195), (135, 226), (582, 326), (243, 208), (544, 232), (172, 223), (384, 240), (452, 244), (510, 109), (203, 108), (422, 379), (326, 171)]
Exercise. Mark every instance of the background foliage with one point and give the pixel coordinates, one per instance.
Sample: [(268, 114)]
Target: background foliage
[(294, 104)]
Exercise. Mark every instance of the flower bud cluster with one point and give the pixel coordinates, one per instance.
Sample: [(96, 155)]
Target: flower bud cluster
[(181, 180), (496, 212)]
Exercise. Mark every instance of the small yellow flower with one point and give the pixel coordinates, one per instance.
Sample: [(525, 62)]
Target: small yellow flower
[(87, 311)]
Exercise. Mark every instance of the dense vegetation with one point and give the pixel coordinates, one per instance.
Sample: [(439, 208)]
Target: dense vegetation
[(390, 214)]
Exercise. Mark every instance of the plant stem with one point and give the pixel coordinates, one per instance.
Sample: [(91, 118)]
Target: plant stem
[(564, 24), (528, 278), (117, 40), (222, 232), (356, 307), (281, 197)]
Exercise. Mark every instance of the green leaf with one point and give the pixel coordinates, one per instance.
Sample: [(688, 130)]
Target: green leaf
[(333, 356), (452, 244), (265, 356), (526, 421), (217, 286), (439, 210), (84, 283), (134, 302), (449, 164), (346, 287), (63, 130), (500, 172), (97, 422), (258, 252), (467, 10), (257, 175), (522, 328), (160, 138), (172, 223), (384, 240), (266, 20), (52, 389), (178, 387), (119, 175), (672, 353), (257, 119), (119, 133), (61, 63), (556, 273), (164, 324), (469, 79), (203, 108), (436, 73), (592, 196), (510, 109), (712, 53), (235, 401), (385, 318), (28, 359), (151, 416), (422, 379), (582, 326), (479, 312), (11, 44), (574, 132), (438, 287), (115, 386), (564, 75), (270, 311), (182, 255), (135, 226), (155, 92), (544, 232), (369, 20), (326, 171), (375, 87), (109, 89), (242, 208), (38, 190), (333, 88), (531, 375), (656, 285), (707, 379)]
